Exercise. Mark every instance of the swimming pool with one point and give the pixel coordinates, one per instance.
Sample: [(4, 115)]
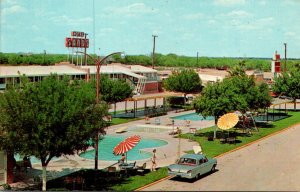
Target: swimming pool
[(192, 117), (33, 159), (149, 128), (107, 145)]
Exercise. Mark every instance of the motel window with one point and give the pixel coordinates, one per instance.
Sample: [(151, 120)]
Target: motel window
[(2, 80)]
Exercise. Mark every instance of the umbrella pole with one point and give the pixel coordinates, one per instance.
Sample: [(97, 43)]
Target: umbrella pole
[(126, 157)]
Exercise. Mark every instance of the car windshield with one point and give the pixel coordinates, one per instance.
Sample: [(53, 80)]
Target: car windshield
[(187, 161)]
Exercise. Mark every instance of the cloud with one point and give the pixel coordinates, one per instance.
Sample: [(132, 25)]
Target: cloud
[(132, 10), (291, 2), (35, 27), (9, 2), (13, 10), (188, 36), (229, 2), (238, 14), (262, 23), (263, 2), (66, 20), (194, 16)]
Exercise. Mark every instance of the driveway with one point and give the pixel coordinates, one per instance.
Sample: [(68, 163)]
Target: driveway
[(270, 164)]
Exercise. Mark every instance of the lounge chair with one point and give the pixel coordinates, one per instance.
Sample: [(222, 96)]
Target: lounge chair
[(147, 120), (141, 169), (197, 149), (127, 166), (157, 121), (121, 130)]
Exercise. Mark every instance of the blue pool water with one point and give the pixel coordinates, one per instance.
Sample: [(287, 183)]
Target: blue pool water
[(33, 159), (192, 117), (109, 142)]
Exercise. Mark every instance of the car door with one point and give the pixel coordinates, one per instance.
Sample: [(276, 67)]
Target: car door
[(2, 167), (206, 165)]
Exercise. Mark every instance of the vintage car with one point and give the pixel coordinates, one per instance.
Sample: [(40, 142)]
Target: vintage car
[(192, 166)]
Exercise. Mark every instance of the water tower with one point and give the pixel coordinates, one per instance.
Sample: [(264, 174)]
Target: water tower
[(276, 68)]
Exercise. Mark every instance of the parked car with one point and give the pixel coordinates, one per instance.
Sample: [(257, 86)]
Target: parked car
[(192, 166)]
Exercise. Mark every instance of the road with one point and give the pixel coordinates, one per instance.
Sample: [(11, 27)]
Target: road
[(269, 164)]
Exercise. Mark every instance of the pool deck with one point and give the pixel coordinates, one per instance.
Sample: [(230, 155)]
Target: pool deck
[(165, 154)]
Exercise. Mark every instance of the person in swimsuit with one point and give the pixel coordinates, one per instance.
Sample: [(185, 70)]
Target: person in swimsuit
[(153, 159)]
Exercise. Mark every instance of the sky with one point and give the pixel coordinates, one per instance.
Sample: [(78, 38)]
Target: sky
[(213, 28)]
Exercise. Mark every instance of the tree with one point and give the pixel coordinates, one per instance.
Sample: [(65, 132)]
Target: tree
[(288, 84), (50, 118), (238, 70), (115, 90), (237, 93), (186, 81)]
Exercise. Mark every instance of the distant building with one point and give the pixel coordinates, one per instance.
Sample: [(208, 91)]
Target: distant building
[(143, 79)]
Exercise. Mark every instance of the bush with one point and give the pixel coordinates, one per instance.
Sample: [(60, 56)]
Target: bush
[(175, 102), (6, 186)]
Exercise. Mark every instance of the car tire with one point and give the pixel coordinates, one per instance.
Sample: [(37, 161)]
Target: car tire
[(213, 169), (197, 176)]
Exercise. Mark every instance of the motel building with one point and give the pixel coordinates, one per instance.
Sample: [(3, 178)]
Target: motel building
[(144, 80)]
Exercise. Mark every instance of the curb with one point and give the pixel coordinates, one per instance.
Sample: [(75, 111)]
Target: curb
[(218, 156), (155, 182)]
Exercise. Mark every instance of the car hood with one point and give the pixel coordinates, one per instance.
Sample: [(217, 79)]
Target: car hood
[(180, 168)]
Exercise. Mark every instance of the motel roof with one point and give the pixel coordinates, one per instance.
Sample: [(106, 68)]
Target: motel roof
[(35, 70), (113, 69)]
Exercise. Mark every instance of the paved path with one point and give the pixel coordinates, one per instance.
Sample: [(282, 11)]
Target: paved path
[(270, 164)]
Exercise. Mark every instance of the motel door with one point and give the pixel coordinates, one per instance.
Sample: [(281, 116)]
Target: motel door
[(2, 167)]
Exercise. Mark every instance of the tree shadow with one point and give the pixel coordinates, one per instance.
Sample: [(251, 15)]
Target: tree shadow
[(91, 180)]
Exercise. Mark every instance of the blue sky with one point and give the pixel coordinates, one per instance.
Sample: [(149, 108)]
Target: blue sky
[(214, 28)]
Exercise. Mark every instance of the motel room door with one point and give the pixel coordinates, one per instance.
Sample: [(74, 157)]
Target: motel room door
[(2, 167)]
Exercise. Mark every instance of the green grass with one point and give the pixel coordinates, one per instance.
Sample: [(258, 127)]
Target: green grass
[(214, 148), (116, 121), (211, 149), (138, 181)]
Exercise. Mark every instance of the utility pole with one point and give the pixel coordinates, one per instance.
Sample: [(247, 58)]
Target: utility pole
[(154, 36), (284, 56), (197, 57), (85, 57)]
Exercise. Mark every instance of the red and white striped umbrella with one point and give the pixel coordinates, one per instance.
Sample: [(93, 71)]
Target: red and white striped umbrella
[(126, 145)]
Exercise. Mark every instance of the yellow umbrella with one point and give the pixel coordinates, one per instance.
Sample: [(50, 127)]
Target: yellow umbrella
[(228, 121)]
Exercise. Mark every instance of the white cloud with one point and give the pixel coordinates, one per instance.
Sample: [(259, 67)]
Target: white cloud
[(194, 16), (263, 23), (262, 2), (66, 20), (229, 2), (132, 10), (291, 2), (9, 2), (13, 10), (35, 27), (212, 21), (238, 14)]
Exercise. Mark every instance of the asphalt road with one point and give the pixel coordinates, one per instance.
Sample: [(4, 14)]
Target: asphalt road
[(271, 164)]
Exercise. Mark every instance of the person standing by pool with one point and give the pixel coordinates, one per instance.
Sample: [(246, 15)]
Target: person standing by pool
[(153, 159)]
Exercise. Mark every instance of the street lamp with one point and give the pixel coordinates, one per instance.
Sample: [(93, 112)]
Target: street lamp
[(98, 62)]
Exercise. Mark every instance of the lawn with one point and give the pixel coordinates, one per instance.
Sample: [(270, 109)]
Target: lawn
[(215, 148), (116, 121)]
